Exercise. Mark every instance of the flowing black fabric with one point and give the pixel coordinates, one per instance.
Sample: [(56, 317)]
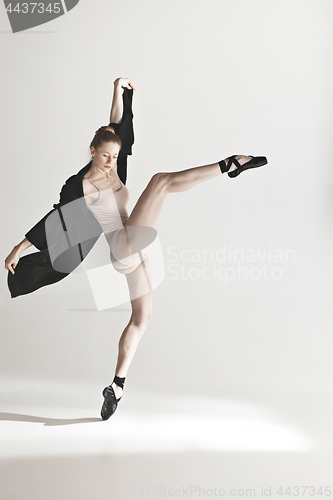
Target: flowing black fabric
[(37, 269)]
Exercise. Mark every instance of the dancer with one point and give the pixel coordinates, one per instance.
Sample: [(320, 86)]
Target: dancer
[(106, 197)]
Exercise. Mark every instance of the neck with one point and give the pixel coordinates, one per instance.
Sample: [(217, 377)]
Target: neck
[(101, 171)]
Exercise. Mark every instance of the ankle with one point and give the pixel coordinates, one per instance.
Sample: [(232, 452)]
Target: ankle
[(226, 165), (116, 388), (118, 391), (119, 381)]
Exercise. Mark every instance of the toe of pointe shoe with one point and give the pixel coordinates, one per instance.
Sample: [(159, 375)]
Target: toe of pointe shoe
[(110, 403), (260, 160)]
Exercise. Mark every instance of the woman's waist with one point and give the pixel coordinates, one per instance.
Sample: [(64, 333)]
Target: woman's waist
[(113, 223)]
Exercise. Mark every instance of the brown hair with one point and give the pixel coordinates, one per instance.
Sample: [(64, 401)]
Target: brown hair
[(105, 134)]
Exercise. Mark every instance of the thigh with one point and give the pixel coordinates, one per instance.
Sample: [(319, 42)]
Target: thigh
[(130, 246), (139, 230), (148, 206)]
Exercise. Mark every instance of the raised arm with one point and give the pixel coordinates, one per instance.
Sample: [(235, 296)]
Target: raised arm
[(124, 129), (117, 101)]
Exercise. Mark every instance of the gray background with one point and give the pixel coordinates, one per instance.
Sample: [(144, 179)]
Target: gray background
[(212, 79)]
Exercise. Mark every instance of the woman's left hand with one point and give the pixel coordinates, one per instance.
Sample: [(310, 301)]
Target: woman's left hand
[(124, 83)]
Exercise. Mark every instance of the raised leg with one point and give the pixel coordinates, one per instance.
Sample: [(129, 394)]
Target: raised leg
[(148, 206)]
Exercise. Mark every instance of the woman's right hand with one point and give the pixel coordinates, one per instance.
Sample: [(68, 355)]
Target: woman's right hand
[(124, 83), (12, 260)]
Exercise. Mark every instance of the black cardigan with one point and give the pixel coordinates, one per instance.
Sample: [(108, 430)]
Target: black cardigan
[(76, 225)]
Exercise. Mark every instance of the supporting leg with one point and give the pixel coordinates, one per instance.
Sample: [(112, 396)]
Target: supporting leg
[(138, 323)]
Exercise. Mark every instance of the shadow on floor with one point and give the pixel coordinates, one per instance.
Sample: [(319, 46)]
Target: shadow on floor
[(17, 417)]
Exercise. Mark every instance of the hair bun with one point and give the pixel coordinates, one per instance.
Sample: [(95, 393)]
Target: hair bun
[(111, 129), (104, 129)]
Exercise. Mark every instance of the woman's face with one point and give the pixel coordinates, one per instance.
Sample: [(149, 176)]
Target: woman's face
[(105, 157)]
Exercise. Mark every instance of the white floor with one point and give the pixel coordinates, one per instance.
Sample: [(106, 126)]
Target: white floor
[(53, 444)]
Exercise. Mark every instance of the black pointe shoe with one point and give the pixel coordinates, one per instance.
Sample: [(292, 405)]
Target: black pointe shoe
[(110, 403), (256, 161)]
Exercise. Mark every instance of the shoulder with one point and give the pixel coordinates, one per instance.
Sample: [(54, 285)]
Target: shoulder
[(88, 187)]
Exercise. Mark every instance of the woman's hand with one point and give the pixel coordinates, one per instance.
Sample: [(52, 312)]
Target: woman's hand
[(124, 83), (117, 100), (12, 260)]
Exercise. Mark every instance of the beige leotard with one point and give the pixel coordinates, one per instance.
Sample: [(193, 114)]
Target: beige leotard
[(110, 211)]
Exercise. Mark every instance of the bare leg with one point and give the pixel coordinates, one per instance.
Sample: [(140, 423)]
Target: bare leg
[(148, 206), (138, 323), (145, 213)]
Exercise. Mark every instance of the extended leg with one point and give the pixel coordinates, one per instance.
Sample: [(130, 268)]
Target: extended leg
[(148, 206)]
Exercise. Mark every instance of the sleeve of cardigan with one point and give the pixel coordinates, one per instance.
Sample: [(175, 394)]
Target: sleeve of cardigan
[(125, 132), (37, 234)]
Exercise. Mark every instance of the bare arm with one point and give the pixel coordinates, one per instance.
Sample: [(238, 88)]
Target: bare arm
[(117, 100), (14, 256), (23, 245)]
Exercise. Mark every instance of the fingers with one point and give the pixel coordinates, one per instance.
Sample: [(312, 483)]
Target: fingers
[(9, 268), (130, 86), (128, 83)]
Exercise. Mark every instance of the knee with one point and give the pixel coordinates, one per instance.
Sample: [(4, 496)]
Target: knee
[(160, 180), (142, 320)]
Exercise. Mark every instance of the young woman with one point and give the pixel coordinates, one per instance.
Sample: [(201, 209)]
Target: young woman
[(106, 197)]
